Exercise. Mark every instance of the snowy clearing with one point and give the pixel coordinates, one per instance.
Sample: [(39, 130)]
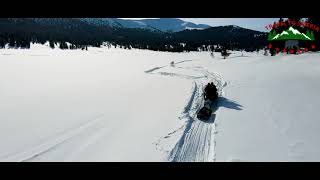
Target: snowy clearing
[(133, 105)]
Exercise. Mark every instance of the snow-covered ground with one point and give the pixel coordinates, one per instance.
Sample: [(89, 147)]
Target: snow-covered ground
[(132, 105)]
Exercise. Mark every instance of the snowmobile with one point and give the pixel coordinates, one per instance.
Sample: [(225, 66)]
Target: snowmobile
[(210, 96)]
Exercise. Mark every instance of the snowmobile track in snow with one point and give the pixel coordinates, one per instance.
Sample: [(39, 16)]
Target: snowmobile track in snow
[(51, 143), (157, 68), (197, 142)]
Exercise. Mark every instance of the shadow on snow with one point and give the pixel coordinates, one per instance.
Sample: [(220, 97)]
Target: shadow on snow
[(223, 102)]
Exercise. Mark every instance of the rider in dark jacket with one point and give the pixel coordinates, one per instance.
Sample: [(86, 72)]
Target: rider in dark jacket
[(210, 95), (211, 92)]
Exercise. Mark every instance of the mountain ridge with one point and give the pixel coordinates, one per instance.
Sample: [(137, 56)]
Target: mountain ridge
[(160, 24)]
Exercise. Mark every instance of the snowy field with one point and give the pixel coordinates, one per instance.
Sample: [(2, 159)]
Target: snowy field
[(133, 105)]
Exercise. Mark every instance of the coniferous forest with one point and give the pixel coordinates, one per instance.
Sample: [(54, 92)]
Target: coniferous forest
[(20, 32)]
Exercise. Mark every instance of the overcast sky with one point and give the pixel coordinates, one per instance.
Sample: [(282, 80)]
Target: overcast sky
[(250, 23)]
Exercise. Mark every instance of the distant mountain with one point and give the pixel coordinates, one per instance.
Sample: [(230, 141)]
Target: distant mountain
[(172, 24), (53, 21), (162, 24), (157, 25), (112, 22)]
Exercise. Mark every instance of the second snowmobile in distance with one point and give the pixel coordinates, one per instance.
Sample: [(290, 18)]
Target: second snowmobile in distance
[(210, 96)]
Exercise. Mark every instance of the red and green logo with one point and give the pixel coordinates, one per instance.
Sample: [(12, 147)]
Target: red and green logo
[(291, 34), (292, 37)]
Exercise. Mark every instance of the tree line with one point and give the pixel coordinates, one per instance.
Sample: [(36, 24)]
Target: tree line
[(20, 32)]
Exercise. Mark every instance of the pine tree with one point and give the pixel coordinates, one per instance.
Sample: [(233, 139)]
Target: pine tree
[(2, 43), (224, 53), (312, 36), (12, 42), (265, 52), (51, 44), (270, 36), (316, 36), (308, 33), (63, 45)]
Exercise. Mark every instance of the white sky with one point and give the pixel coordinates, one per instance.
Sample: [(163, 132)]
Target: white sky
[(250, 23)]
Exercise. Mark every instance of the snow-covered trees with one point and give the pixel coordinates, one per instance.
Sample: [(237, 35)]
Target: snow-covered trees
[(32, 30), (63, 45), (224, 53)]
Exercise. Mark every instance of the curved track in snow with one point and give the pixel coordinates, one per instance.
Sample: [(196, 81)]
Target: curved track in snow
[(51, 143), (197, 142)]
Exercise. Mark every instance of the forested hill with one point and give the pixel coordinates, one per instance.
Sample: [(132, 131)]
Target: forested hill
[(230, 36), (20, 32)]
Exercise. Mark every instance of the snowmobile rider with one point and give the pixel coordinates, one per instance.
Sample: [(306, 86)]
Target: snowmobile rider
[(210, 95), (211, 92)]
